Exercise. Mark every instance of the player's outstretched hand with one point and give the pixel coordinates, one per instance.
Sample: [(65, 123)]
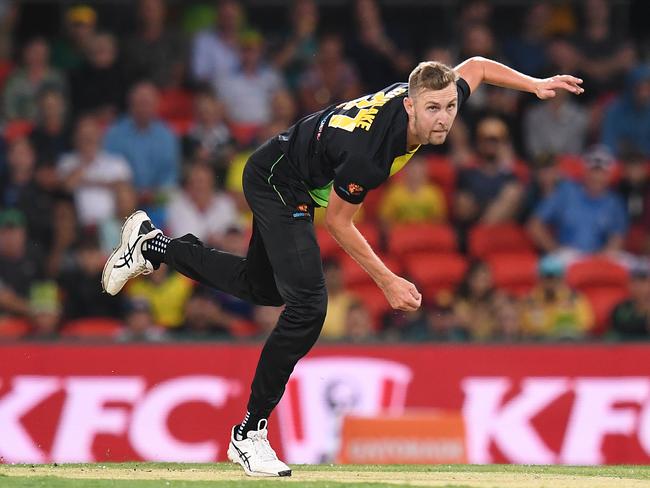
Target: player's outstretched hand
[(402, 294), (546, 88)]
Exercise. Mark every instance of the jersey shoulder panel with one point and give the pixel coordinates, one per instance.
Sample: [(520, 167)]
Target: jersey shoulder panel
[(463, 90)]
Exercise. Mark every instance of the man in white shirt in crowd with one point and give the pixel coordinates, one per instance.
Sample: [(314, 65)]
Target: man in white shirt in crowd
[(92, 174), (214, 52), (248, 91), (200, 209)]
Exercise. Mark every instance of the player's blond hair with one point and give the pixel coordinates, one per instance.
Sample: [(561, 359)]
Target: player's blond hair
[(431, 75)]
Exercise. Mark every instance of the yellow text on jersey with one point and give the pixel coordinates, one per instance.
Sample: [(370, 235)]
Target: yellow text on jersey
[(367, 107)]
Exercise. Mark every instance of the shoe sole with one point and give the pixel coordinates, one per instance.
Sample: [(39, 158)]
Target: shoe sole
[(232, 455), (115, 254)]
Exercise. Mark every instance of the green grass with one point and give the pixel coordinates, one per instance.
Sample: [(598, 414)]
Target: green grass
[(621, 471), (42, 475), (54, 482)]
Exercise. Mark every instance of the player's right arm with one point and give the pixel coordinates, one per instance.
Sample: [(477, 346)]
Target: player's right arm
[(400, 293)]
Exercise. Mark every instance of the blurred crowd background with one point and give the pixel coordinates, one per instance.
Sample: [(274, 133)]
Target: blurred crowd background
[(531, 223)]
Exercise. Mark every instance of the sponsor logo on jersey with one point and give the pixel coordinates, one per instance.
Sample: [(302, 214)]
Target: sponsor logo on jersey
[(355, 189)]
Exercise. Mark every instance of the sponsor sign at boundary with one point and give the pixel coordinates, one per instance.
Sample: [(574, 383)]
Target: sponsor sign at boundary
[(415, 438), (545, 404)]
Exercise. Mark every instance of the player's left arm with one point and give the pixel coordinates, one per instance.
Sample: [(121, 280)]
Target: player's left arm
[(477, 70)]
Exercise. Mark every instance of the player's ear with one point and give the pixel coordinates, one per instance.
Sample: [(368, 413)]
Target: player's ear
[(408, 106)]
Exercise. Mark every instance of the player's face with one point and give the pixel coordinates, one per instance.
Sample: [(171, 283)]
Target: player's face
[(432, 113)]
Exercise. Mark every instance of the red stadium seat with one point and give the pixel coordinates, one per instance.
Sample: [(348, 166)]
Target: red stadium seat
[(371, 204), (596, 272), (616, 174), (374, 300), (92, 328), (571, 166), (16, 129), (354, 275), (412, 238), (242, 328), (433, 273), (180, 127), (175, 108), (6, 67), (486, 240), (244, 134), (521, 171), (514, 273), (603, 281), (328, 246), (175, 104), (636, 239), (13, 328), (603, 301), (441, 170), (371, 234), (443, 173)]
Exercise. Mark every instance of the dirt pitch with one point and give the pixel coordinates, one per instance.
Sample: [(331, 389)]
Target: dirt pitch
[(216, 475)]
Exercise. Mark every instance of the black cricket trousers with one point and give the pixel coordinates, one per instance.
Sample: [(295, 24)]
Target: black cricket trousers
[(283, 266)]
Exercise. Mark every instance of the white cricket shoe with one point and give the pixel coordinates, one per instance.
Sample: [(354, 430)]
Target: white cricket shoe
[(127, 261), (255, 453)]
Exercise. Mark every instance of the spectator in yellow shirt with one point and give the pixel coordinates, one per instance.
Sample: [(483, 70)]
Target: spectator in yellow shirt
[(167, 292), (553, 310), (339, 302), (413, 198), (476, 304)]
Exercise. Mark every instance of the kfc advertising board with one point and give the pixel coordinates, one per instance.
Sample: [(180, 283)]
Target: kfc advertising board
[(582, 404)]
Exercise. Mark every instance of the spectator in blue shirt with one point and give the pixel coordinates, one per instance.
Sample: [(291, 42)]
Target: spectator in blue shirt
[(527, 51), (146, 142), (582, 218), (627, 120)]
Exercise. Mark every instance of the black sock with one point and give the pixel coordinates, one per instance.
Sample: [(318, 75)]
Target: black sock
[(250, 422), (154, 249)]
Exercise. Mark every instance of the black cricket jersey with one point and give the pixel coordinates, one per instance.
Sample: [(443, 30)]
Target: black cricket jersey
[(352, 147)]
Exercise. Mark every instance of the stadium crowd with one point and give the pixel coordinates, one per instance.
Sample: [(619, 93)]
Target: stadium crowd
[(531, 223)]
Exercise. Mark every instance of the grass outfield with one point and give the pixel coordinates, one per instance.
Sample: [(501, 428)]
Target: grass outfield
[(170, 475)]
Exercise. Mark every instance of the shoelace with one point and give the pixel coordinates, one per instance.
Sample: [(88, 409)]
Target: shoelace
[(126, 259), (141, 269), (261, 446), (127, 256)]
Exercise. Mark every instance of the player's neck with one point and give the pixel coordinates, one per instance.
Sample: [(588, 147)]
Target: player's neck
[(412, 141)]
